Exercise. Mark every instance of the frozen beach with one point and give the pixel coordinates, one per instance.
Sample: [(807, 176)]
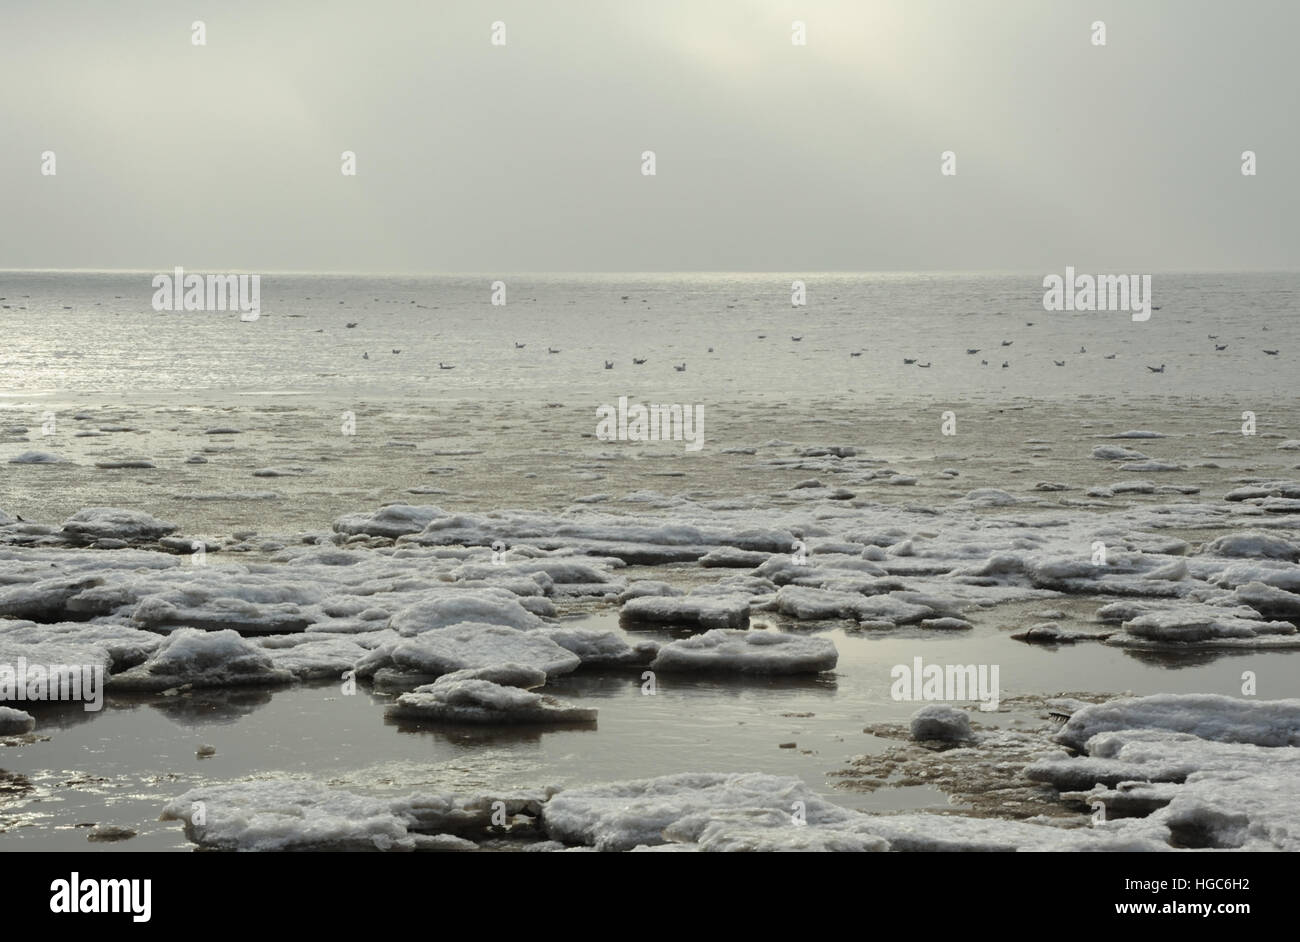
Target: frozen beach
[(463, 621)]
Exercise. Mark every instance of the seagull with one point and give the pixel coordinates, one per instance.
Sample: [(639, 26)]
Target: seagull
[(924, 366), (797, 339), (1007, 343), (1153, 369), (969, 350), (609, 364), (1218, 346), (551, 350), (984, 362), (1213, 336), (1029, 323), (1109, 356), (638, 362), (856, 353), (351, 324), (906, 360), (443, 366), (1005, 364), (1083, 349), (1059, 362), (1271, 353), (365, 356), (680, 369), (519, 346), (396, 352), (710, 349)]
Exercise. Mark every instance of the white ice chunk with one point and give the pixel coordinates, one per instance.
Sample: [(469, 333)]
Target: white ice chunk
[(747, 652)]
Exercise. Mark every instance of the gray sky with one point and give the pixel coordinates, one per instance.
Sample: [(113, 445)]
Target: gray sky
[(526, 157)]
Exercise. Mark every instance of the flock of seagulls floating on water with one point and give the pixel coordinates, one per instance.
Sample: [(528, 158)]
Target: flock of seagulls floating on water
[(909, 361), (971, 351)]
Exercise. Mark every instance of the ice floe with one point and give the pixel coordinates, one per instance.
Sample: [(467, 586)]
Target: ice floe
[(747, 652), (201, 659), (298, 815), (459, 699)]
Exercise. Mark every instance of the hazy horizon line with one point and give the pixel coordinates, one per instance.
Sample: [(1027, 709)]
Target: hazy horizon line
[(647, 271)]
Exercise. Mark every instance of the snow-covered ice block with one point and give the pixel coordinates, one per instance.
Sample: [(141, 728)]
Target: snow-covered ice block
[(1208, 716), (125, 647), (469, 645), (303, 815), (730, 557), (454, 699), (96, 523), (809, 604), (621, 815), (15, 722), (766, 830), (1202, 624), (747, 652), (646, 587), (202, 659), (601, 648), (315, 656), (696, 610), (453, 606), (940, 722), (392, 521), (1254, 544)]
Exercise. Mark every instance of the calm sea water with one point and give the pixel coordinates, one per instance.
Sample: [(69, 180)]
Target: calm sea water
[(97, 332)]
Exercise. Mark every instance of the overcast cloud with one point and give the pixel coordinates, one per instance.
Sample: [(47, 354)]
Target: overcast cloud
[(527, 157)]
